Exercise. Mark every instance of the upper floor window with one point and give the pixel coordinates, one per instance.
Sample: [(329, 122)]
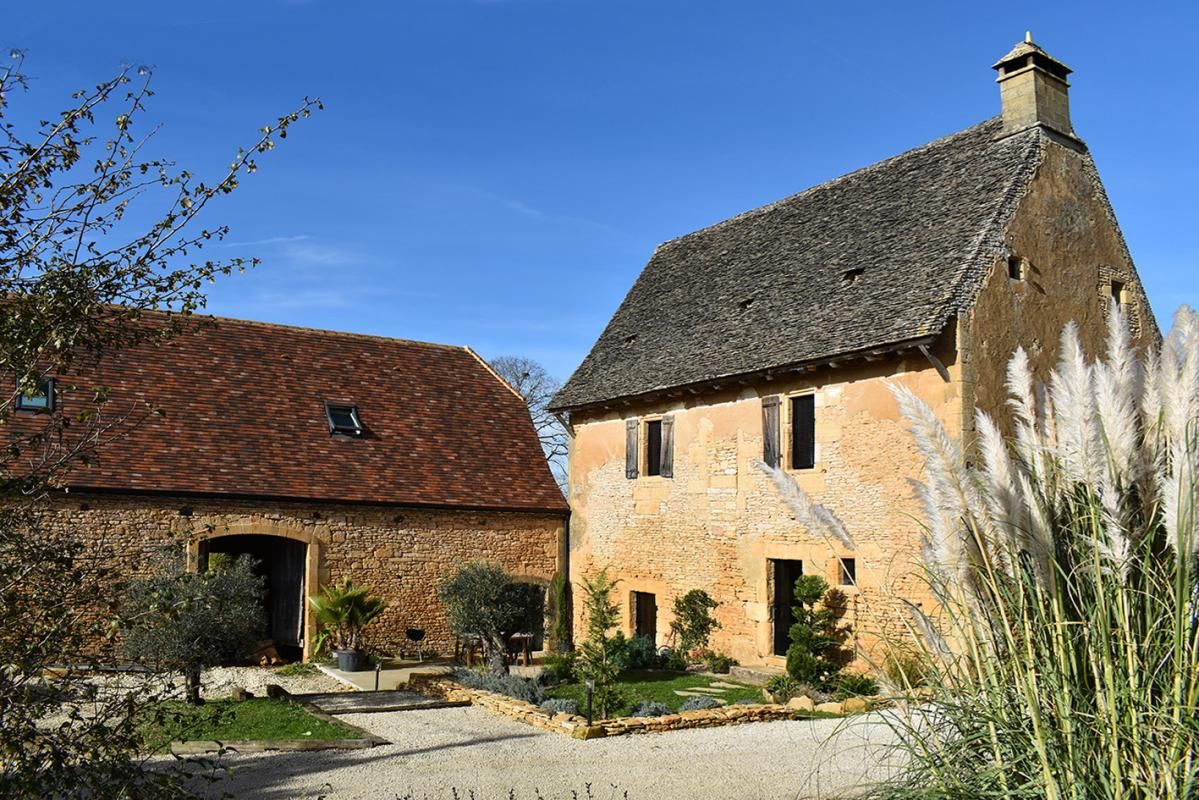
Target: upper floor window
[(40, 400), (656, 436), (803, 431), (343, 418)]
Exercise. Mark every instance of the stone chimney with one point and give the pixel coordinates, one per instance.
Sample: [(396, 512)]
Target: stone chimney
[(1033, 89)]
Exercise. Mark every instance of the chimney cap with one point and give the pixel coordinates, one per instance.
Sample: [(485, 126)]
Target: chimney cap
[(1039, 58)]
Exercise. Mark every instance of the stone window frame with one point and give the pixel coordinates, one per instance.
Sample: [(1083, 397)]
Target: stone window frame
[(643, 446), (785, 425)]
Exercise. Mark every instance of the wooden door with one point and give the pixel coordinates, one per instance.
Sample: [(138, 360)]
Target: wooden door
[(645, 615), (786, 573)]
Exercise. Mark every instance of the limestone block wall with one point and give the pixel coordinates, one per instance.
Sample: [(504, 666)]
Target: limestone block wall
[(718, 522), (402, 553)]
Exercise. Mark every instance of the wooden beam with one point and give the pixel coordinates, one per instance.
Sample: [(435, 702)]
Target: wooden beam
[(936, 362)]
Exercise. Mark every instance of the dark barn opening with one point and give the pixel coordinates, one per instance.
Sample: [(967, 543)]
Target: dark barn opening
[(281, 562)]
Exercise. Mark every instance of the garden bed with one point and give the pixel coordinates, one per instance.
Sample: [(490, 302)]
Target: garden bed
[(671, 689), (576, 725), (249, 725)]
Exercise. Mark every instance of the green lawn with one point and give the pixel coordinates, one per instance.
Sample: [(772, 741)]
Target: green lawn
[(659, 687), (256, 719)]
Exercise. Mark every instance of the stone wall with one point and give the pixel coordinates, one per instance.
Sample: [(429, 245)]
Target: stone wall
[(401, 553), (719, 521)]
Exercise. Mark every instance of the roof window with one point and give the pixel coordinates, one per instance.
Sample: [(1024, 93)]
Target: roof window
[(343, 419), (40, 400), (849, 276)]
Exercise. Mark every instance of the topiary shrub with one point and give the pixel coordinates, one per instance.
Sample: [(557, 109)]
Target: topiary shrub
[(699, 704), (816, 654), (561, 705), (525, 689), (650, 708)]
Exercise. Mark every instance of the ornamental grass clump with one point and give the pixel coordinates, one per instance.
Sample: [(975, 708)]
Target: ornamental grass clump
[(1063, 661)]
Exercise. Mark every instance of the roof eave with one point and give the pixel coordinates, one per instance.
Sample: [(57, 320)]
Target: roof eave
[(872, 353)]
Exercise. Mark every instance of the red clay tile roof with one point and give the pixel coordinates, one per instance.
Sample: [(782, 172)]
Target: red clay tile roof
[(244, 407)]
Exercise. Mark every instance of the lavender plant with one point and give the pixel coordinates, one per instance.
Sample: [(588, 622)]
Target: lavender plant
[(1064, 655)]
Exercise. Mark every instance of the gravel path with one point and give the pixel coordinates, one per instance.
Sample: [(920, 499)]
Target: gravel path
[(469, 749)]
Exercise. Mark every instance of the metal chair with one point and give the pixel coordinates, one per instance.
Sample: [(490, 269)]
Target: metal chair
[(416, 636)]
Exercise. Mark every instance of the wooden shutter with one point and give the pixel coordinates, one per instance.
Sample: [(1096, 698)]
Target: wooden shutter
[(630, 448), (667, 447), (803, 431), (770, 431)]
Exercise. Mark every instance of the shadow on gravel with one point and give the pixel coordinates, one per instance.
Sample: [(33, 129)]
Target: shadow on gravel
[(285, 776)]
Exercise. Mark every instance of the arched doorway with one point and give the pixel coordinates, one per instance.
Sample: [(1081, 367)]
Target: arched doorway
[(282, 562)]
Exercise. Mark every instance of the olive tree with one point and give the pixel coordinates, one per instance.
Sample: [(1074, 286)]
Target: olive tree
[(95, 231), (183, 621), (484, 602)]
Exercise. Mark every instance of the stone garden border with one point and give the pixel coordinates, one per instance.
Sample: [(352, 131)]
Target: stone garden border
[(577, 727)]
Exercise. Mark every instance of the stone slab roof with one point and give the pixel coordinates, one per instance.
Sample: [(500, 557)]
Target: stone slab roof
[(877, 257), (244, 415)]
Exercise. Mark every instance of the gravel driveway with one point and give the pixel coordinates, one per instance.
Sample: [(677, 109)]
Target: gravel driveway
[(471, 750)]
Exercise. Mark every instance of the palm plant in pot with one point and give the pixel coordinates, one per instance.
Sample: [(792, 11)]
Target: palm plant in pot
[(342, 611)]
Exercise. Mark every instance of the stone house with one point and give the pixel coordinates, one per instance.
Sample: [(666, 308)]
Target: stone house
[(773, 335), (323, 455)]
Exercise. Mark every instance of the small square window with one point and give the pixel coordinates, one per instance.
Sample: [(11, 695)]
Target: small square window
[(41, 400), (343, 419), (1119, 293), (653, 447), (1015, 268), (849, 572)]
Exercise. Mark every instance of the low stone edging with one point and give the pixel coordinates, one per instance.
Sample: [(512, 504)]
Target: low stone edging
[(577, 727)]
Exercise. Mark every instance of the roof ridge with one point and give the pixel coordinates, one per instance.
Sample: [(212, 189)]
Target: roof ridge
[(832, 181), (324, 331)]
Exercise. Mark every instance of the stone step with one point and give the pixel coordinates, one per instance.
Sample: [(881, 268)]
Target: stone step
[(724, 685), (755, 675), (706, 689)]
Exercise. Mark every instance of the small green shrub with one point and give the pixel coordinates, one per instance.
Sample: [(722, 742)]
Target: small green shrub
[(853, 684), (693, 621), (297, 669), (907, 669), (719, 663), (673, 659), (649, 708), (783, 687), (640, 653), (560, 667), (525, 689), (556, 705), (699, 704)]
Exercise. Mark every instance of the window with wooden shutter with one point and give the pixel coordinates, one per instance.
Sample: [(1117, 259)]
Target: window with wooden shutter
[(770, 431), (803, 431), (667, 447), (630, 449)]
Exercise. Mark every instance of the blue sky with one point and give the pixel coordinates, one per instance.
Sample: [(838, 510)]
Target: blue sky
[(496, 172)]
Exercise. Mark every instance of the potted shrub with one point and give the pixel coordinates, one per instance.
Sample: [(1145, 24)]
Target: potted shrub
[(342, 611)]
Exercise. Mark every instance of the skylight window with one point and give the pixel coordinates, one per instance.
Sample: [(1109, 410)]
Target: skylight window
[(41, 400), (343, 418)]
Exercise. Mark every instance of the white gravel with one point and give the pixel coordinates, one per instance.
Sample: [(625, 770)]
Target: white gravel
[(219, 682), (471, 750)]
